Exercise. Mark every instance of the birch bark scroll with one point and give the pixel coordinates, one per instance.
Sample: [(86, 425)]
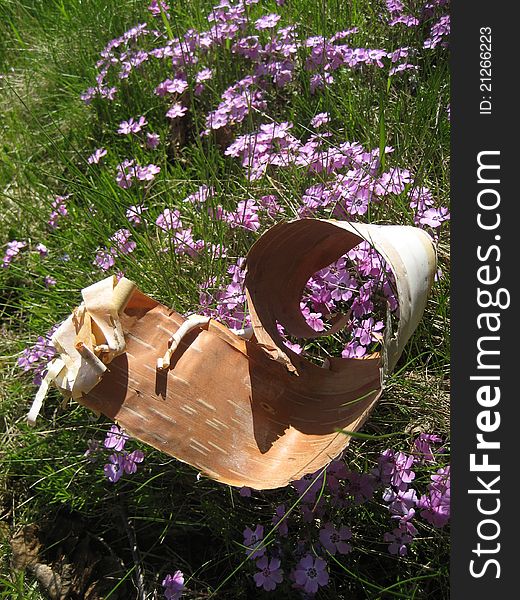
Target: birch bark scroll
[(245, 412)]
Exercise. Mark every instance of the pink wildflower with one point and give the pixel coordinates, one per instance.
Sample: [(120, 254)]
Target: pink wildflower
[(270, 573), (173, 585), (311, 573), (335, 540), (176, 111), (96, 156), (320, 119), (252, 539)]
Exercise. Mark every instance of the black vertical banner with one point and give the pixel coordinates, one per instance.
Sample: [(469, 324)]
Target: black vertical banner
[(485, 321)]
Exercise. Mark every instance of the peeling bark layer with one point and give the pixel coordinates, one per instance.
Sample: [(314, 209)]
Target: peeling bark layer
[(244, 412)]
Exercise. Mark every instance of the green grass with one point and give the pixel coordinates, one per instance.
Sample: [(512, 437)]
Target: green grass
[(48, 52)]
